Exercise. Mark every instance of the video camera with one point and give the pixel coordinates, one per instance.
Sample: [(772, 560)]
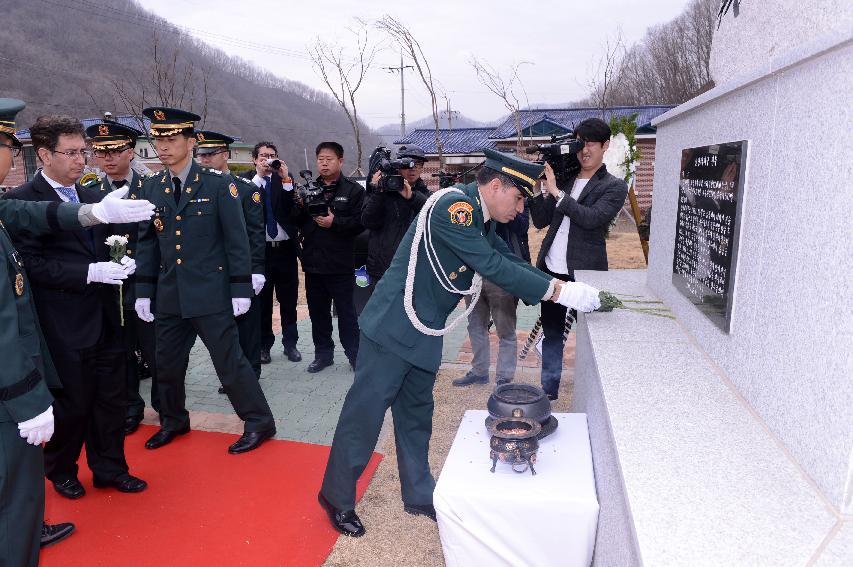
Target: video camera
[(311, 194), (391, 180), (561, 155)]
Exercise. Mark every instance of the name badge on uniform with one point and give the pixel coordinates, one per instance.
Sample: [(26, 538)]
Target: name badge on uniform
[(344, 199)]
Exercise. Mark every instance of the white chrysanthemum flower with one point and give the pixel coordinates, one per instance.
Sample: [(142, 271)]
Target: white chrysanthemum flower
[(116, 240), (614, 157)]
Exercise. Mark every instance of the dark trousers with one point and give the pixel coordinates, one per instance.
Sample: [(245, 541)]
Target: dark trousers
[(218, 332), (21, 498), (383, 379), (320, 291), (553, 326), (282, 273), (139, 334), (249, 330), (90, 408)]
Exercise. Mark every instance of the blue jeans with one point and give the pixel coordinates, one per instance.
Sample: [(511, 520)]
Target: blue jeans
[(553, 326)]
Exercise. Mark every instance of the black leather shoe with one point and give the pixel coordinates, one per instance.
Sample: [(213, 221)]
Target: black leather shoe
[(318, 364), (502, 381), (427, 510), (250, 440), (292, 354), (164, 437), (552, 397), (71, 488), (54, 533), (265, 356), (471, 378), (345, 521), (131, 423), (125, 483)]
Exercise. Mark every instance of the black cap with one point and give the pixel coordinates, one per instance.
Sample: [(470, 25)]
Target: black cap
[(170, 121), (411, 151), (523, 173), (9, 108), (112, 135), (209, 142)]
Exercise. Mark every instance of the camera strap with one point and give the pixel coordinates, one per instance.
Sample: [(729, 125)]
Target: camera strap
[(424, 232)]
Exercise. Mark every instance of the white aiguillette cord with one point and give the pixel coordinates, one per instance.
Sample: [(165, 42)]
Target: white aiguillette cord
[(437, 269)]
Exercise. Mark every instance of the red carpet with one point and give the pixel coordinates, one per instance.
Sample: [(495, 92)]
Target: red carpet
[(202, 507)]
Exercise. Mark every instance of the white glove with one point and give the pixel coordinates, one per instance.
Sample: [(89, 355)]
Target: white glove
[(129, 265), (580, 296), (39, 429), (143, 309), (258, 281), (240, 305), (107, 272), (115, 209)]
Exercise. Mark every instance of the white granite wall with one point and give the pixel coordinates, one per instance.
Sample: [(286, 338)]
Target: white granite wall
[(790, 350), (764, 30)]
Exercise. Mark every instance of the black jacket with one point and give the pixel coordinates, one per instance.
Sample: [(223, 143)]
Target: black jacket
[(72, 313), (514, 233), (331, 250), (388, 215), (590, 215)]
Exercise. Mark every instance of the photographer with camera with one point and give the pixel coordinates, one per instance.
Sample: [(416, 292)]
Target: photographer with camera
[(328, 214), (577, 210), (389, 208)]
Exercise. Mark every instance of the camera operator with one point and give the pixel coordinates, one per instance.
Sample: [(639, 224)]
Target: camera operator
[(388, 214), (577, 215), (329, 220)]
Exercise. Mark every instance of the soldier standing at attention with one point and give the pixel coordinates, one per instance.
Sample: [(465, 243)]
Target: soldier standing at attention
[(213, 151), (194, 258), (113, 145), (401, 328), (26, 410)]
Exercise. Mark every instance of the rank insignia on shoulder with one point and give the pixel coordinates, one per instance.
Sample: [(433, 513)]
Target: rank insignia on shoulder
[(232, 188), (19, 285), (460, 213), (256, 197)]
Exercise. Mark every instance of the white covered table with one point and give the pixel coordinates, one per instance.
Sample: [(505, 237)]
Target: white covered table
[(507, 518)]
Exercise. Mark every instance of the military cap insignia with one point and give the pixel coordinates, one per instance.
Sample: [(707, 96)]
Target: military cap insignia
[(460, 213), (199, 136), (232, 189), (103, 130), (19, 285), (256, 197), (159, 115)]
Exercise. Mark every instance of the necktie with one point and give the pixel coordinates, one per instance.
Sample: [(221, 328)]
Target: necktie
[(272, 226), (176, 184), (70, 193), (119, 183)]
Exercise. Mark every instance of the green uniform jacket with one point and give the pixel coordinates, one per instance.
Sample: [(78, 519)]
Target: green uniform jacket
[(195, 254), (253, 213), (128, 230), (462, 248), (27, 368)]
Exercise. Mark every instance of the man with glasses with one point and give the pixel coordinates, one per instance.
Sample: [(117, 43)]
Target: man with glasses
[(113, 145), (212, 149), (75, 287), (282, 251)]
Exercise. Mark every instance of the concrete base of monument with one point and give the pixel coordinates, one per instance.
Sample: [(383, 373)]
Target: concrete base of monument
[(686, 471)]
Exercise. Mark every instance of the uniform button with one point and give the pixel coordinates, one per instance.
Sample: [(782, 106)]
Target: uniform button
[(220, 268), (178, 261), (177, 233), (127, 236), (128, 251), (178, 217), (177, 246)]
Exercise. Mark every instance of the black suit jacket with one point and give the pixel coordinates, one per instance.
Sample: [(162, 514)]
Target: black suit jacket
[(590, 215), (72, 313)]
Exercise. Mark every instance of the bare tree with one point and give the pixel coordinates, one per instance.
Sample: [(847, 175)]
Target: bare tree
[(607, 73), (344, 76), (401, 34), (504, 89)]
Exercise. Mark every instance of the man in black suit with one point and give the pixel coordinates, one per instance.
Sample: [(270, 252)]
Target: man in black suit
[(577, 216), (282, 271), (74, 287)]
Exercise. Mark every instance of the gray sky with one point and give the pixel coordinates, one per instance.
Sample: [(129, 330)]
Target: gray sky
[(562, 39)]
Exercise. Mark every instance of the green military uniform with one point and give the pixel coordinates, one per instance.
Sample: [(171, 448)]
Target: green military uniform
[(397, 363), (195, 254), (27, 374), (248, 324)]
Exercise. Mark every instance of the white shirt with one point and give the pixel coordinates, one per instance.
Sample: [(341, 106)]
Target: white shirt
[(556, 258), (56, 184), (282, 234)]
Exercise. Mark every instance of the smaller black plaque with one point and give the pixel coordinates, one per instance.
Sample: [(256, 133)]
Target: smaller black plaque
[(707, 227)]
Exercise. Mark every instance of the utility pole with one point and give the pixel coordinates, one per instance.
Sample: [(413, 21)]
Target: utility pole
[(401, 70)]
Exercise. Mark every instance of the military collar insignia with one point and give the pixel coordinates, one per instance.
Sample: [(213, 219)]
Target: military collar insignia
[(460, 213)]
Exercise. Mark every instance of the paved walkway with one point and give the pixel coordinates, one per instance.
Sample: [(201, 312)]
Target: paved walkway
[(306, 406)]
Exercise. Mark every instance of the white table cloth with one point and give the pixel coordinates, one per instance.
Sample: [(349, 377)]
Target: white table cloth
[(507, 518)]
